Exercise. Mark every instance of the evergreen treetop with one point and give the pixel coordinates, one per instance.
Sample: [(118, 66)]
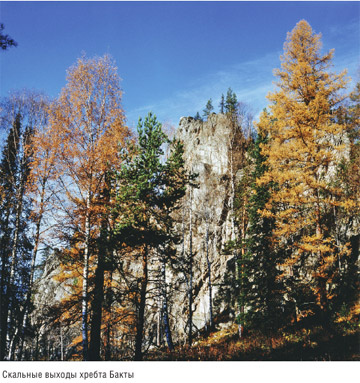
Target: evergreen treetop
[(208, 109)]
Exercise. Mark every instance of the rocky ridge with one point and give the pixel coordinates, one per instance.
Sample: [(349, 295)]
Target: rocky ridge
[(212, 150)]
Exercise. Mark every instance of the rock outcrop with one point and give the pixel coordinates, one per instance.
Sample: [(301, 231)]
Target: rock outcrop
[(213, 149)]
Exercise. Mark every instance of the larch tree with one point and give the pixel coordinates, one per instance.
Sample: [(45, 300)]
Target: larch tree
[(88, 122), (348, 178), (304, 145)]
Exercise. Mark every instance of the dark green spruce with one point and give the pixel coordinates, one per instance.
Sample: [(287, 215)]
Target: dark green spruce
[(262, 292)]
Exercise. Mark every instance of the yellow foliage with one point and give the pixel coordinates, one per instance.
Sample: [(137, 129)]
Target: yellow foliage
[(300, 152)]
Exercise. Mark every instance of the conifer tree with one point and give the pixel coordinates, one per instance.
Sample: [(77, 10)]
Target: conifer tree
[(222, 104), (8, 171), (348, 178), (197, 117), (17, 110), (5, 40), (208, 108), (147, 190), (304, 146), (231, 103), (38, 149), (261, 291)]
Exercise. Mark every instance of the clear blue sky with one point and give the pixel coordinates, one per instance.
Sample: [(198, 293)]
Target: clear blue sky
[(172, 56)]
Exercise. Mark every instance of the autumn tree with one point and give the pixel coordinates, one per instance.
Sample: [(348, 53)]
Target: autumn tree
[(88, 125), (348, 178), (304, 145)]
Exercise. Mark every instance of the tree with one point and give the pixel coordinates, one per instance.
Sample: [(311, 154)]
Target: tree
[(198, 117), (239, 191), (147, 190), (22, 112), (41, 170), (262, 290), (354, 111), (208, 216), (208, 108), (88, 121), (222, 104), (5, 40), (231, 103), (8, 171), (304, 145), (348, 178), (189, 266)]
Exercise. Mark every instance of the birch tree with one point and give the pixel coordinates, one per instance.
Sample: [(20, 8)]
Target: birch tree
[(89, 121)]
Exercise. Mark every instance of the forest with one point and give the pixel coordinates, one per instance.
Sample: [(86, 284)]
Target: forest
[(106, 255)]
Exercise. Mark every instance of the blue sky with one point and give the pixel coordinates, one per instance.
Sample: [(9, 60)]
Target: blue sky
[(172, 56)]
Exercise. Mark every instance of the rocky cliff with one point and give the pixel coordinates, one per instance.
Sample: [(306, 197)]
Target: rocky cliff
[(213, 149)]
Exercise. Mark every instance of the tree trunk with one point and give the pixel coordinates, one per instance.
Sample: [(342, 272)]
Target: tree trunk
[(13, 200), (9, 290), (3, 286), (103, 248), (20, 331), (108, 326), (94, 349), (165, 310), (158, 325), (85, 280), (209, 277), (238, 270), (142, 302)]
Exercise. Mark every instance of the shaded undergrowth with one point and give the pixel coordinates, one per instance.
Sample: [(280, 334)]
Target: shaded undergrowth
[(313, 344)]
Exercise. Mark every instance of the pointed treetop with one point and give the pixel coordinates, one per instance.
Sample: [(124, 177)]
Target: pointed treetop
[(209, 108)]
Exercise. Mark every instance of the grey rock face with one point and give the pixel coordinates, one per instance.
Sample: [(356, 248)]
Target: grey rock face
[(211, 149)]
